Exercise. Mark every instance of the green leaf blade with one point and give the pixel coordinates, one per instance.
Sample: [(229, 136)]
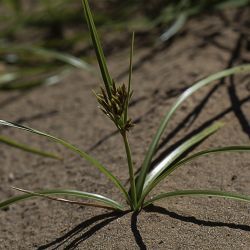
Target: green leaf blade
[(50, 54), (84, 195), (175, 27), (98, 48), (130, 75), (213, 151), (181, 193), (163, 165), (190, 158), (27, 148), (84, 155), (153, 146)]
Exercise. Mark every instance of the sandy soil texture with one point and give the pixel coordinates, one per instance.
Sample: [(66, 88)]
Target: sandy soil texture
[(69, 110)]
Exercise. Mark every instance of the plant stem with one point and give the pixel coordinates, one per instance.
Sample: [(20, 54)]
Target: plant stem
[(130, 77), (131, 171)]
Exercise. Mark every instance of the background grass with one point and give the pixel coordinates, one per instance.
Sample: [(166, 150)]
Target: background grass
[(58, 25)]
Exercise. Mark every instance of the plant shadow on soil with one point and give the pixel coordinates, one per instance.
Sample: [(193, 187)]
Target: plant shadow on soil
[(83, 231), (89, 227), (78, 235), (86, 229)]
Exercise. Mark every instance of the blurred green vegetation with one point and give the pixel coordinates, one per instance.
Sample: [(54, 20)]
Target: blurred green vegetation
[(57, 27)]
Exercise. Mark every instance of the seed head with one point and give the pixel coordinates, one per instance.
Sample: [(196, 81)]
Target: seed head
[(115, 106)]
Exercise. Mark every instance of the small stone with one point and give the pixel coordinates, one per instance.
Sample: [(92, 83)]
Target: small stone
[(11, 177), (234, 177)]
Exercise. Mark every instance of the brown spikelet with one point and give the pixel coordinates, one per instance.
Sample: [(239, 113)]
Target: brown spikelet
[(114, 106)]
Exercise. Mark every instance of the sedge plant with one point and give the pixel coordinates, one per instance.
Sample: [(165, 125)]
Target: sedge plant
[(114, 100)]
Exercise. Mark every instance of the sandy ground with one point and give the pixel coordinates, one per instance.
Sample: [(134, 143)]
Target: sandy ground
[(69, 111)]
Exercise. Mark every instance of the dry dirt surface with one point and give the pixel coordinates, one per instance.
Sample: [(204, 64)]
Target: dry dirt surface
[(209, 44)]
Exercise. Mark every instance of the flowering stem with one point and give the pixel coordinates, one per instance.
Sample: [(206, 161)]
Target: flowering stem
[(131, 171)]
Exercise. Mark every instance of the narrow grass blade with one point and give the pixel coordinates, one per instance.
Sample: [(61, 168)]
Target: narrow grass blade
[(22, 82), (227, 149), (180, 163), (221, 194), (63, 57), (84, 155), (21, 85), (130, 75), (175, 28), (27, 148), (66, 58), (98, 48), (153, 146), (49, 197), (163, 165), (43, 193)]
